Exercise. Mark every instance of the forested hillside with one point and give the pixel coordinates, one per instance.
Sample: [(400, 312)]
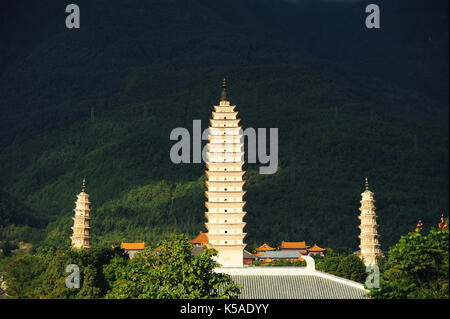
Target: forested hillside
[(100, 102)]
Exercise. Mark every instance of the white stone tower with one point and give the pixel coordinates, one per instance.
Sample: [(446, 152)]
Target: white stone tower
[(81, 237), (225, 160), (369, 246)]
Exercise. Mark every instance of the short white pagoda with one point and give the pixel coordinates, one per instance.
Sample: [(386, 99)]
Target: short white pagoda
[(81, 237), (369, 246), (225, 204)]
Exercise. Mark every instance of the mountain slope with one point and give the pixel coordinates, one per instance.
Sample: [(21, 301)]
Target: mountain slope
[(148, 67)]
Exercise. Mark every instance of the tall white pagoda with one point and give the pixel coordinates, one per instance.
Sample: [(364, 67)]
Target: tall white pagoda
[(81, 237), (225, 204), (369, 246)]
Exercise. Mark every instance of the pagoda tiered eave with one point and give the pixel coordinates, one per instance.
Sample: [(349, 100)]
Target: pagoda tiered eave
[(226, 174), (225, 123), (228, 236), (233, 194), (226, 226), (225, 216), (226, 205), (224, 165), (224, 183), (224, 115), (221, 131), (224, 108)]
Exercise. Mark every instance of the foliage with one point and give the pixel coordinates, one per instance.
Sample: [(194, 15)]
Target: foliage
[(299, 263), (23, 277), (417, 267), (171, 272), (281, 263), (348, 266), (89, 289), (43, 275), (257, 263), (18, 222), (352, 267), (7, 246)]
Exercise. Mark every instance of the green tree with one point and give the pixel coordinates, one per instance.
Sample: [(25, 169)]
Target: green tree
[(23, 277), (344, 265), (7, 247), (299, 263), (417, 267), (257, 263), (53, 284), (352, 267), (43, 275), (171, 272), (89, 289), (281, 263), (328, 264)]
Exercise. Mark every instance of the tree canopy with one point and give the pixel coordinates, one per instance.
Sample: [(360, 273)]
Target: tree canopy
[(344, 265), (170, 271), (416, 267)]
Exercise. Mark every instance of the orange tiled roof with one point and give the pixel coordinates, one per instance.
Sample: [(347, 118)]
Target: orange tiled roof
[(316, 248), (200, 239), (259, 254), (293, 244), (303, 252), (132, 246), (264, 247)]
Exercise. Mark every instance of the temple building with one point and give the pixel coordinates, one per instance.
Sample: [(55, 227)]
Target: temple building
[(248, 258), (271, 256), (369, 246), (297, 246), (262, 249), (81, 237), (291, 251), (132, 248), (225, 204), (200, 240), (316, 250)]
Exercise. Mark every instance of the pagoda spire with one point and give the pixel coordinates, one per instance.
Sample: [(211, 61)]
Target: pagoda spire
[(224, 94), (81, 229), (366, 186)]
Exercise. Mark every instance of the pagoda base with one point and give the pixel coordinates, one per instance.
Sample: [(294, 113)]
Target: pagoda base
[(229, 255)]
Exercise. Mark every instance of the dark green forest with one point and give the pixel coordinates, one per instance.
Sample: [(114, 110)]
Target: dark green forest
[(100, 102), (170, 273)]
